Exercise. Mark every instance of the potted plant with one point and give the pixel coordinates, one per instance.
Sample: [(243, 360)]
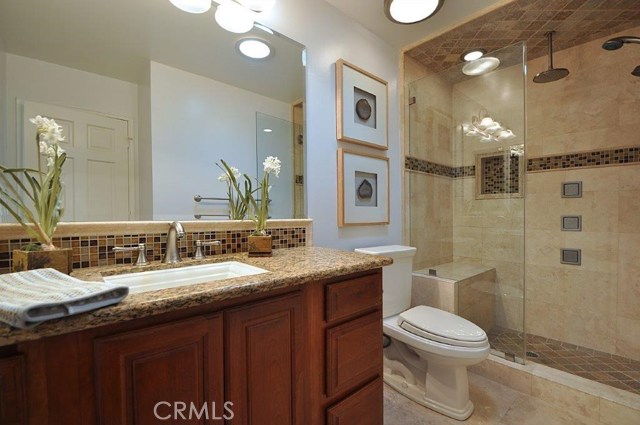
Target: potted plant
[(257, 208), (33, 198), (237, 206)]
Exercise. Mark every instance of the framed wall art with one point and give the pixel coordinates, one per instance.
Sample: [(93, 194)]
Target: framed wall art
[(361, 105), (363, 189)]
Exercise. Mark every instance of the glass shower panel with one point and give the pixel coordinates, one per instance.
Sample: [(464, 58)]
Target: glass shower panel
[(466, 176)]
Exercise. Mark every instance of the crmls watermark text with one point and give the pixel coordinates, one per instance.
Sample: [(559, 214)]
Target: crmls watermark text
[(179, 410)]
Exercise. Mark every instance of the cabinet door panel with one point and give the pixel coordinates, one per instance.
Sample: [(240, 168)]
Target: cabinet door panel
[(264, 362), (352, 297), (361, 408), (12, 391), (146, 375), (354, 353)]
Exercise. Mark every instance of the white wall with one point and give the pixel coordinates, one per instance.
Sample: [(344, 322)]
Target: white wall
[(328, 36), (195, 122), (38, 81), (3, 102), (144, 171)]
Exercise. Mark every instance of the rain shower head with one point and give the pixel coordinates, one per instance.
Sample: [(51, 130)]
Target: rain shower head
[(618, 42), (551, 74)]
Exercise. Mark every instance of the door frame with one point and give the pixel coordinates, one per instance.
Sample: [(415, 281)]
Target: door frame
[(132, 131)]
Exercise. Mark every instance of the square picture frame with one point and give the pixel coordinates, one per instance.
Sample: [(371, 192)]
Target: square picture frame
[(363, 189), (361, 106)]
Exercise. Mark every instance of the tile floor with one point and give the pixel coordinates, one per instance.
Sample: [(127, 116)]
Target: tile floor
[(495, 404), (619, 372)]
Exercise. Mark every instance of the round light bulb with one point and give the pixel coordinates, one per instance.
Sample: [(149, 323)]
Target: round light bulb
[(192, 6), (480, 66), (234, 18), (258, 5), (411, 11), (472, 55), (254, 48)]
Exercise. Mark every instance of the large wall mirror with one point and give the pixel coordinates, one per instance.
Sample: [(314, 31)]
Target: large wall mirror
[(150, 99)]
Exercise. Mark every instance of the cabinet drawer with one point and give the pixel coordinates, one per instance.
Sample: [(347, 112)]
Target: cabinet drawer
[(354, 353), (13, 409), (350, 297), (364, 407)]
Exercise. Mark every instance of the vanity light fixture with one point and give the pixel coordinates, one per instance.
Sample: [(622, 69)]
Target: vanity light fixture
[(233, 17), (254, 48), (471, 55), (267, 130), (192, 6), (411, 11), (486, 129), (258, 5), (481, 66)]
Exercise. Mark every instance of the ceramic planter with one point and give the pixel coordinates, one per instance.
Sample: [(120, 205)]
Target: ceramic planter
[(59, 259), (259, 246)]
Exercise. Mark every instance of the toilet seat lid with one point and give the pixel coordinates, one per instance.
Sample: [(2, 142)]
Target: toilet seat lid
[(441, 326)]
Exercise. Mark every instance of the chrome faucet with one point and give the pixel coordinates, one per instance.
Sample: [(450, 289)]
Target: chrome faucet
[(172, 253)]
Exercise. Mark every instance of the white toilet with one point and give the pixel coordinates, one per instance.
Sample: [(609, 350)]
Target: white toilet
[(427, 350)]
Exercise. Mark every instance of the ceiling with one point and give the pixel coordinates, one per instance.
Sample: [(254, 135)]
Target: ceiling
[(118, 38), (452, 13), (575, 22)]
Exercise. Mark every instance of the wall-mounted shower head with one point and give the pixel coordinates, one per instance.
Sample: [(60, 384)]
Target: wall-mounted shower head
[(618, 42)]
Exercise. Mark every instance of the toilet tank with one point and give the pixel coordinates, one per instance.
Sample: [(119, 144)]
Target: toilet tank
[(396, 278)]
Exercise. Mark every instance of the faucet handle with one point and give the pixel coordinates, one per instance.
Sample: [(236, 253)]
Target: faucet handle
[(199, 254), (142, 254)]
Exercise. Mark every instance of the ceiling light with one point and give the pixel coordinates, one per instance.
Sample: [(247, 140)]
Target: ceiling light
[(267, 130), (411, 11), (234, 18), (192, 6), (480, 66), (258, 5), (471, 55), (255, 48)]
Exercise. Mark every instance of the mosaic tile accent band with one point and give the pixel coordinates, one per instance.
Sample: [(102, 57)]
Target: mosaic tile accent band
[(90, 251), (416, 164), (594, 158)]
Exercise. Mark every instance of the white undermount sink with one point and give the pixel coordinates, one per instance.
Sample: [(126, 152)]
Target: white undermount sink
[(182, 276)]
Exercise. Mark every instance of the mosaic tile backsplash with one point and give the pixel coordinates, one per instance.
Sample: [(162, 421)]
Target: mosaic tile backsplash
[(90, 251)]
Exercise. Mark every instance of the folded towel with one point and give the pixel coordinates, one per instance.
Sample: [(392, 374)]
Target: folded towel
[(29, 298)]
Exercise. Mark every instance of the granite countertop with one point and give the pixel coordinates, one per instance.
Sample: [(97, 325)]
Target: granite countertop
[(287, 267)]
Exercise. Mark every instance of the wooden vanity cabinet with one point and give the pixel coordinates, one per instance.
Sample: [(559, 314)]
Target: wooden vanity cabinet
[(309, 355), (140, 374), (13, 408)]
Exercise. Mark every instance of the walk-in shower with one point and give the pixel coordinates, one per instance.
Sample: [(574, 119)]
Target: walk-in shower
[(466, 183), (482, 148)]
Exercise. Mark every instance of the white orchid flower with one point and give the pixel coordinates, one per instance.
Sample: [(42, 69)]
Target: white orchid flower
[(272, 165)]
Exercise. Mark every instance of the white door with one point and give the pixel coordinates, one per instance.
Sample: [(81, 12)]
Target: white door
[(96, 174)]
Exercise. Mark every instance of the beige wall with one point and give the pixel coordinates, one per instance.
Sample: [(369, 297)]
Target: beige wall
[(597, 304)]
